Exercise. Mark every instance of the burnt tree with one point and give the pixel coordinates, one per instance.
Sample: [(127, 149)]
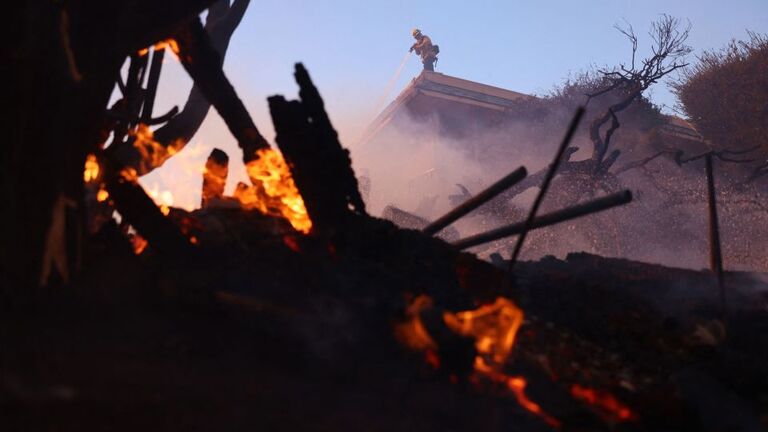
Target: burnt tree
[(623, 88)]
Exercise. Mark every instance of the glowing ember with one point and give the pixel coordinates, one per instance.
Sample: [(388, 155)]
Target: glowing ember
[(604, 403), (274, 192), (171, 43), (129, 174), (493, 326), (139, 243), (91, 172), (102, 195), (517, 385), (163, 199), (412, 332)]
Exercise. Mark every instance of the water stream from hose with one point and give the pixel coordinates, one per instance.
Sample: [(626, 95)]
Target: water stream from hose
[(391, 84)]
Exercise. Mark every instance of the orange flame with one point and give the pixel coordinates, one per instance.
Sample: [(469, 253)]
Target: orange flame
[(163, 199), (91, 175), (605, 403), (153, 154), (274, 192), (171, 43), (412, 332), (517, 385), (91, 172), (494, 328), (102, 194)]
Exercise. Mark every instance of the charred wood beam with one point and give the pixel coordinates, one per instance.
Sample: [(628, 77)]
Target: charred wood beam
[(476, 201), (221, 22), (214, 176), (128, 108), (163, 118), (154, 79), (334, 152), (181, 126), (545, 184), (203, 63), (320, 166), (548, 219), (134, 82), (138, 209)]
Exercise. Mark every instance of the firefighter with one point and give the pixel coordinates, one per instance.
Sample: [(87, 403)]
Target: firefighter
[(424, 47)]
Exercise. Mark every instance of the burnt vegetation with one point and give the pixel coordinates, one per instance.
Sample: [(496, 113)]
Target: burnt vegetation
[(630, 143)]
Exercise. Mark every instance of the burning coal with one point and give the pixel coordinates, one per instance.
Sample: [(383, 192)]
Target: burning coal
[(493, 327)]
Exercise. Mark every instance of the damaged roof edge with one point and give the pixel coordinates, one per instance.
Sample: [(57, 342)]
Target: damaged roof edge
[(450, 87), (459, 90)]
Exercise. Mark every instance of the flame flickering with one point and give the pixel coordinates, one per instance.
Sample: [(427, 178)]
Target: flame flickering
[(91, 171), (153, 154), (169, 43), (274, 191), (493, 327)]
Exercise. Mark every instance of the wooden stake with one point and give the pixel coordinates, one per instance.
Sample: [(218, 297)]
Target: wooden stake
[(214, 177), (715, 252)]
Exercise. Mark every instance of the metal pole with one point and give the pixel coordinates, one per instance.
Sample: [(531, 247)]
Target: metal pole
[(589, 207), (545, 185), (715, 252), (476, 201)]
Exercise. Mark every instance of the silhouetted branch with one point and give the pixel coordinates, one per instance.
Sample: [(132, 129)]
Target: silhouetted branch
[(221, 22), (668, 50)]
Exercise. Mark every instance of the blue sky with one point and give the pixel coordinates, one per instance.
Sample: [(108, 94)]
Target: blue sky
[(352, 49)]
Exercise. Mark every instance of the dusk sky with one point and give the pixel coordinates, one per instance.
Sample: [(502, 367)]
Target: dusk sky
[(353, 48)]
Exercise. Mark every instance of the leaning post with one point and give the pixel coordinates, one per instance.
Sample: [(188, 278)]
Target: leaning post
[(715, 251)]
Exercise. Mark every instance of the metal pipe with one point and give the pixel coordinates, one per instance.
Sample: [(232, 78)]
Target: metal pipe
[(476, 201), (545, 185), (715, 251), (589, 207)]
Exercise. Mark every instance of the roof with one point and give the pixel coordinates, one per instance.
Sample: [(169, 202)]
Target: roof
[(438, 85), (681, 128), (473, 94)]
